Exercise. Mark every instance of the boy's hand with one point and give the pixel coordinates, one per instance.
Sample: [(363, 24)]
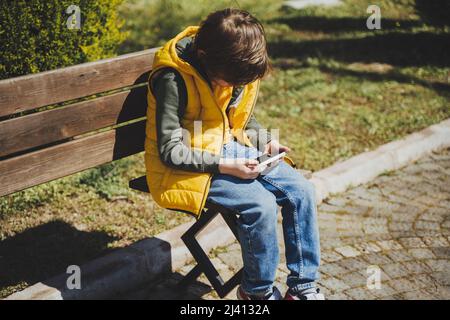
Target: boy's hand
[(241, 168), (274, 147)]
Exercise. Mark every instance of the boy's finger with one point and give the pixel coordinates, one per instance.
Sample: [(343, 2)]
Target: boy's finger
[(251, 165), (245, 161), (253, 175), (251, 162)]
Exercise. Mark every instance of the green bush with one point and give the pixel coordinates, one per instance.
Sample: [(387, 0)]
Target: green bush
[(153, 22), (34, 35)]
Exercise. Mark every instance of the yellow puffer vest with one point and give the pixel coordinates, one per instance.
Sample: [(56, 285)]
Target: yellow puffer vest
[(183, 190)]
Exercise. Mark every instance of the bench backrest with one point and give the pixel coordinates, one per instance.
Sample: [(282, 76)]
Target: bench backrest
[(97, 115)]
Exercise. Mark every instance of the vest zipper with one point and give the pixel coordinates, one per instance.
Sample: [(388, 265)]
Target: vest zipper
[(223, 136), (251, 111), (208, 184), (253, 105)]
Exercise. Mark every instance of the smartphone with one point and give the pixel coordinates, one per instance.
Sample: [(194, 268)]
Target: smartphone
[(266, 159)]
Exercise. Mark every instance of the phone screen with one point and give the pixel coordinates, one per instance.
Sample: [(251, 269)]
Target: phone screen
[(268, 159), (263, 157)]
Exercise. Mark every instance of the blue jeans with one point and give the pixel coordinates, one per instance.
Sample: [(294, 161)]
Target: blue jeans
[(256, 203)]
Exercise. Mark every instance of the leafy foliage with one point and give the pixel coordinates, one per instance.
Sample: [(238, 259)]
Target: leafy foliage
[(34, 35)]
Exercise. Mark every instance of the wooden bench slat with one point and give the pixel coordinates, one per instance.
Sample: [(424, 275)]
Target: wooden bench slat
[(46, 88), (50, 126), (44, 165)]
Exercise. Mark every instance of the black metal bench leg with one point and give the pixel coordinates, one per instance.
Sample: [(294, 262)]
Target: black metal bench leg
[(204, 263)]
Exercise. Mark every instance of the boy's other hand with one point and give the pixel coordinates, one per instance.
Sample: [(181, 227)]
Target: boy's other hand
[(275, 147), (240, 167)]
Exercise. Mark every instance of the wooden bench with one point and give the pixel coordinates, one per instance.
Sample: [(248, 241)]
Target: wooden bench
[(39, 144)]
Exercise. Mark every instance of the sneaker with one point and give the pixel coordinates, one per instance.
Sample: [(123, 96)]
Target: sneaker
[(275, 295), (309, 294)]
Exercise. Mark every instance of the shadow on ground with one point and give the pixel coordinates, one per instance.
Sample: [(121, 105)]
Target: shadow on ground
[(399, 49), (168, 289), (431, 12), (434, 12), (397, 43), (439, 87), (47, 250), (344, 24)]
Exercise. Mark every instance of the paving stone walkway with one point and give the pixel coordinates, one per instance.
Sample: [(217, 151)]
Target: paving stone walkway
[(398, 223)]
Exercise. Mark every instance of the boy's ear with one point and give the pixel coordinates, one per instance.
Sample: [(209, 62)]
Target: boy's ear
[(201, 53)]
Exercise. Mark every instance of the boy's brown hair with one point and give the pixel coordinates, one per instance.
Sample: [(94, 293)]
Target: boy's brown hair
[(232, 47)]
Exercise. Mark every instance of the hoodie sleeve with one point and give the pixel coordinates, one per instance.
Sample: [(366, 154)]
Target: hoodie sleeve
[(258, 135), (171, 101)]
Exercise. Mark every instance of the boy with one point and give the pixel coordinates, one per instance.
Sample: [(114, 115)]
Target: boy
[(202, 141)]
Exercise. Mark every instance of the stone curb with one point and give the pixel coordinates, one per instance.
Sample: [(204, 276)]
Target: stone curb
[(364, 167), (149, 260)]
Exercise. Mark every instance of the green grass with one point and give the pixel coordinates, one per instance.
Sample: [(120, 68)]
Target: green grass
[(328, 112), (151, 23), (338, 89)]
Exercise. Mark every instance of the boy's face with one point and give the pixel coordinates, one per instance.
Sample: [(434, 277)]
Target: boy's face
[(217, 81), (221, 83)]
